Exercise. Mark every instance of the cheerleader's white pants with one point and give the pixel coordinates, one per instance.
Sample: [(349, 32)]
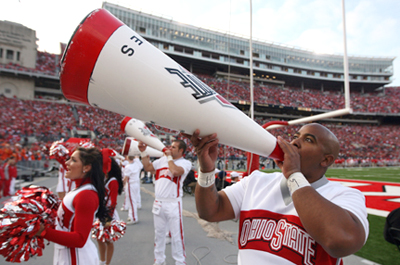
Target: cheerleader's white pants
[(133, 189), (167, 215)]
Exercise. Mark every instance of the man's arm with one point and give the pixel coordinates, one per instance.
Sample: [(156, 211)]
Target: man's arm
[(173, 168), (212, 206), (147, 165), (337, 230)]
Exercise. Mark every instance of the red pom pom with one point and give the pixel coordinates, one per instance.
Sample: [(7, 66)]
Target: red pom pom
[(20, 220), (110, 232)]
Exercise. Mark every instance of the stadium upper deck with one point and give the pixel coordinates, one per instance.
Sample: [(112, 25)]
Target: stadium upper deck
[(205, 51)]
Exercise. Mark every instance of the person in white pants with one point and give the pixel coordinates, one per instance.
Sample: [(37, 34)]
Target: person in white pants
[(171, 170), (124, 207), (138, 195), (132, 183)]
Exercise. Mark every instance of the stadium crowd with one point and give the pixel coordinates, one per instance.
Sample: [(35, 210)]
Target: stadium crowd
[(46, 121), (49, 121), (377, 102), (46, 63), (308, 98)]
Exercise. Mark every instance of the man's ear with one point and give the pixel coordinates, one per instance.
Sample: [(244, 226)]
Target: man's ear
[(328, 160)]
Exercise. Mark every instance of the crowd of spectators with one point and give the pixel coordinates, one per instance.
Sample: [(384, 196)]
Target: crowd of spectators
[(31, 126), (46, 63), (359, 143), (377, 102), (49, 121)]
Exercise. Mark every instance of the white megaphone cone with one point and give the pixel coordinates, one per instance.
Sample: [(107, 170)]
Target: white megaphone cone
[(138, 130), (110, 66), (131, 148)]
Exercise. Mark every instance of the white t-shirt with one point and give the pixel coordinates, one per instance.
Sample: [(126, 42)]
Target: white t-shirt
[(132, 170), (167, 185), (270, 231)]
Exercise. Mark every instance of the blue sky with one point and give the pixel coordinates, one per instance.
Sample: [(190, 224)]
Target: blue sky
[(373, 26)]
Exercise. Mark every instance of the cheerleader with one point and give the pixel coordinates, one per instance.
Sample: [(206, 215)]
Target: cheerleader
[(114, 188), (78, 210)]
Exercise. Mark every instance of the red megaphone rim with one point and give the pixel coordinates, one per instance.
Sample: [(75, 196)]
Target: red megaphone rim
[(83, 49), (277, 154), (125, 122)]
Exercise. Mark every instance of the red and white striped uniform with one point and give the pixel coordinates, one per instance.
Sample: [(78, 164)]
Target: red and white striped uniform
[(167, 209), (112, 187), (75, 217), (270, 231)]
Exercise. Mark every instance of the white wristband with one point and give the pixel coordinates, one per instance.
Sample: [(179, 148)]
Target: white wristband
[(296, 181), (169, 158), (206, 179), (143, 154)]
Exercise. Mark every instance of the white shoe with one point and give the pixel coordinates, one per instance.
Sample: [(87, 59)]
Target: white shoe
[(131, 222), (167, 240), (124, 210)]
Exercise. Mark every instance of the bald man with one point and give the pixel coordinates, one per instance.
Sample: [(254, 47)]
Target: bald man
[(293, 217)]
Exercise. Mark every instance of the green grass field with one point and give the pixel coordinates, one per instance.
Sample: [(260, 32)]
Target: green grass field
[(376, 249)]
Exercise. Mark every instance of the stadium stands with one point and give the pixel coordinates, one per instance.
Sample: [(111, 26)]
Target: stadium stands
[(46, 63), (378, 102), (309, 98), (47, 121)]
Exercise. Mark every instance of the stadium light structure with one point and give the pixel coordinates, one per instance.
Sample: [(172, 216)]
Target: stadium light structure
[(331, 114)]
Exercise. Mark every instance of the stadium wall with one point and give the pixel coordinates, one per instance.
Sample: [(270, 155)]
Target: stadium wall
[(17, 87), (17, 44)]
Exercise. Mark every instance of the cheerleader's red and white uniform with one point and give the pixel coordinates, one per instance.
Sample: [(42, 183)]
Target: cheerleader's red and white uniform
[(112, 195), (73, 225), (167, 210)]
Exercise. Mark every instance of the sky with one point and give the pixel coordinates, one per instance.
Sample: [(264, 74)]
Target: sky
[(372, 26)]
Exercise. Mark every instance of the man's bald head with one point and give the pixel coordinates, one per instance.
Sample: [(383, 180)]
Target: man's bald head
[(328, 140)]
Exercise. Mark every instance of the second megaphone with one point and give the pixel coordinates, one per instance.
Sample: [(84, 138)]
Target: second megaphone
[(137, 129), (130, 148), (110, 66)]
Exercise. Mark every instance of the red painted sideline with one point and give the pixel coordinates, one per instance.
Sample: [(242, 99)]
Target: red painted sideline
[(378, 201)]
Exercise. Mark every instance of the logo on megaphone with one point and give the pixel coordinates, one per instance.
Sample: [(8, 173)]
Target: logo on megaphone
[(138, 130), (130, 148), (120, 71)]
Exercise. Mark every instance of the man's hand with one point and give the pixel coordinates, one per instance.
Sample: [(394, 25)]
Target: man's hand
[(167, 151), (291, 162), (142, 146), (206, 149)]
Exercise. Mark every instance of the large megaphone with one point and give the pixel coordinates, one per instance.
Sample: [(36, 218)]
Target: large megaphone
[(108, 65), (131, 148), (138, 130)]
